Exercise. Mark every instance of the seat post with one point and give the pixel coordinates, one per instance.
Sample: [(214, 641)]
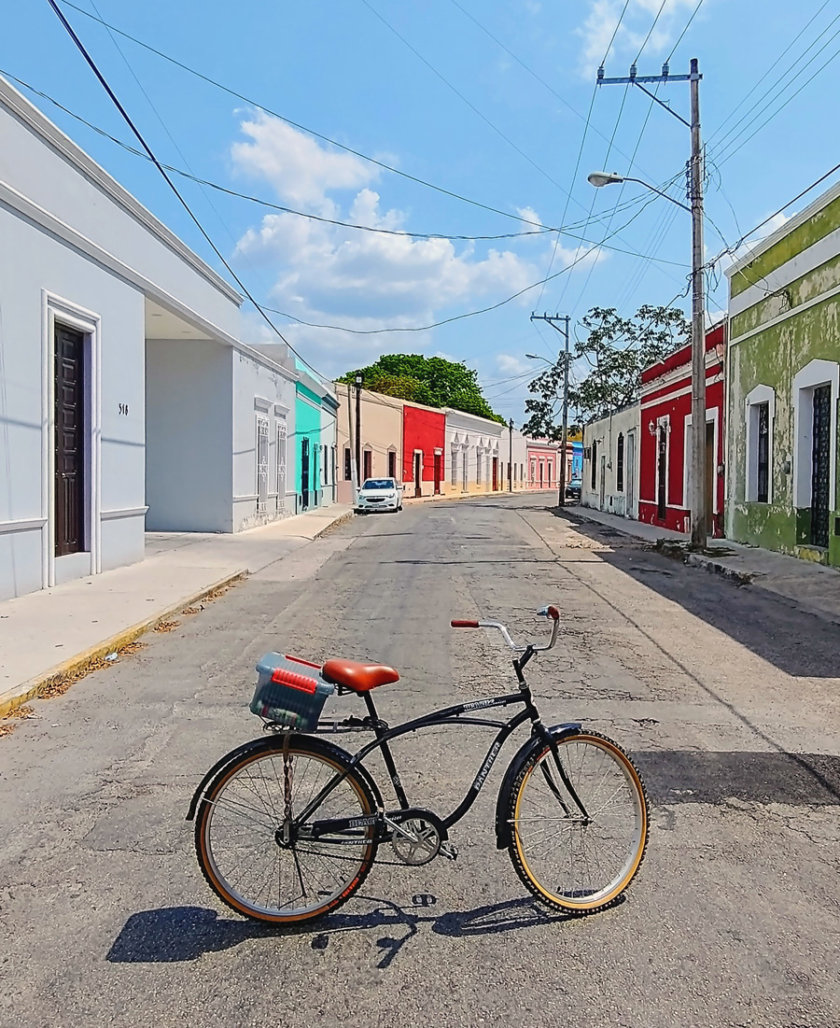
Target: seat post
[(370, 706)]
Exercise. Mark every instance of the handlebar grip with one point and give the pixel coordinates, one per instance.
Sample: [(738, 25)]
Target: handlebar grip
[(553, 613), (457, 623)]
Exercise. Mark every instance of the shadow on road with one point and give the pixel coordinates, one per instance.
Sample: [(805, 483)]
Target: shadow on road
[(686, 776), (793, 640), (178, 934)]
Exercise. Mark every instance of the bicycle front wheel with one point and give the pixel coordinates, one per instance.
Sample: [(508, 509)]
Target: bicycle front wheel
[(259, 865), (578, 856)]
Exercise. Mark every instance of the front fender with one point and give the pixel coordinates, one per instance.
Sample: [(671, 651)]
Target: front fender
[(522, 755)]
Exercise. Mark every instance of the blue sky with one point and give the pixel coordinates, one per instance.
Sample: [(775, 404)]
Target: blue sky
[(493, 101)]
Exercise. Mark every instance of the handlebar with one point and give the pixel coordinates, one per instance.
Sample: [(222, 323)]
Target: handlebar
[(549, 611)]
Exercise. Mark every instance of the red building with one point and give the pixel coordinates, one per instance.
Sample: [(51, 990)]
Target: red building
[(423, 440), (666, 438)]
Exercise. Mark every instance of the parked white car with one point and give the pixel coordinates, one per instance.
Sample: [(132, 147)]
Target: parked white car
[(379, 494)]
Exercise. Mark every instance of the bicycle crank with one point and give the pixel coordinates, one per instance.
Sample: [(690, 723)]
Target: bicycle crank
[(417, 838)]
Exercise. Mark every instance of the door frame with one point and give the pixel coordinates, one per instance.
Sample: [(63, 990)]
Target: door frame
[(816, 373), (55, 309)]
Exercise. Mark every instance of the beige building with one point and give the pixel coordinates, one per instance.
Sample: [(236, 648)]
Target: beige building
[(381, 438)]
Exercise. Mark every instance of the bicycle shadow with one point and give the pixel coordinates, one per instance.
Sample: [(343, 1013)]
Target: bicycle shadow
[(180, 934)]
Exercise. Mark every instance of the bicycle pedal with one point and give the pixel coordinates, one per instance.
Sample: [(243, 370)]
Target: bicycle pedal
[(448, 850)]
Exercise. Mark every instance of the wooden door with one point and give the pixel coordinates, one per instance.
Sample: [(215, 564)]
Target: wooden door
[(495, 474), (69, 441), (438, 458), (821, 466), (304, 473), (418, 474), (710, 477)]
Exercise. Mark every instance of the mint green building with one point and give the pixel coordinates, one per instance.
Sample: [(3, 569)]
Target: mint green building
[(316, 408), (783, 383)]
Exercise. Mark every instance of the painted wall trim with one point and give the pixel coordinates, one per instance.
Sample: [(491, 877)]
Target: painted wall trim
[(815, 373), (21, 525), (128, 512), (754, 398), (27, 112), (835, 291)]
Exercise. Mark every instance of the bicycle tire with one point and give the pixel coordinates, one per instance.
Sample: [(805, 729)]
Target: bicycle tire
[(242, 808), (564, 877)]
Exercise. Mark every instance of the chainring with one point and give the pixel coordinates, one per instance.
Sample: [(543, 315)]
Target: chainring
[(424, 844)]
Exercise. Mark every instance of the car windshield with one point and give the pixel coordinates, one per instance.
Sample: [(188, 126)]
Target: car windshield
[(378, 483)]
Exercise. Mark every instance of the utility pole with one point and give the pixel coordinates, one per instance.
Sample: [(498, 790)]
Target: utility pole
[(354, 474), (697, 465), (551, 319), (510, 456), (359, 428)]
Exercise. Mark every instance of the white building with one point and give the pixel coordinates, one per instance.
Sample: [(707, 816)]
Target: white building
[(475, 453), (610, 466), (124, 387)]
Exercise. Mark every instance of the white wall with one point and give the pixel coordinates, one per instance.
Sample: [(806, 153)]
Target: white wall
[(189, 475), (480, 440), (604, 435), (55, 176), (260, 389), (42, 278)]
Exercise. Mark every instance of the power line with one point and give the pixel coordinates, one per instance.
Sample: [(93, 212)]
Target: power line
[(288, 121), (101, 78)]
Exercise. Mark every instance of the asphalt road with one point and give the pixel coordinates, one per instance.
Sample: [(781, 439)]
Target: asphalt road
[(728, 699)]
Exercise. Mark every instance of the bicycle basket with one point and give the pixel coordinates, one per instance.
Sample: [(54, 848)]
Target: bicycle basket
[(290, 692)]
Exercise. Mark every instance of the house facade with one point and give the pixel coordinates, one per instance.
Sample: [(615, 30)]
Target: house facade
[(542, 463), (381, 437), (127, 398), (611, 457), (424, 440), (473, 446), (783, 384), (665, 438)]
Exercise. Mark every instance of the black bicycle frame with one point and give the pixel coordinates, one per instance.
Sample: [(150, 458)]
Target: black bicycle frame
[(449, 715)]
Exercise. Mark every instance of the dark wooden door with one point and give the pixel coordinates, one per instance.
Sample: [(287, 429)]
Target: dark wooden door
[(495, 474), (438, 472), (661, 472), (304, 473), (418, 474), (69, 441), (821, 466)]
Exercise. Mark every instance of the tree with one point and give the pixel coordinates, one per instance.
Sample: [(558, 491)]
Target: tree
[(433, 381), (616, 351)]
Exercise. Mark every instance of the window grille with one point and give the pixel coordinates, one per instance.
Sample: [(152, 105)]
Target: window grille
[(763, 463), (619, 464), (262, 463), (392, 464), (368, 464), (348, 467), (281, 463), (593, 470)]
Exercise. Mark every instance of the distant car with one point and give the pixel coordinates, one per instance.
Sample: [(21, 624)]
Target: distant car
[(379, 494), (573, 487)]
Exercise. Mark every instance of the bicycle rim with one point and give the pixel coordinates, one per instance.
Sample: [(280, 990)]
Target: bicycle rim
[(570, 861), (241, 820)]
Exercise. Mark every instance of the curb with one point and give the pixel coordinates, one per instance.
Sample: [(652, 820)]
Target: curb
[(346, 516), (30, 690), (697, 560)]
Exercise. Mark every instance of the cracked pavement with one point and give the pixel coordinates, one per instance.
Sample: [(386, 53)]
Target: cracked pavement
[(728, 700)]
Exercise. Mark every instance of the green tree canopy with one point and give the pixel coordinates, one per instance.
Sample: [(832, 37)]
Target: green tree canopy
[(433, 381), (616, 350)]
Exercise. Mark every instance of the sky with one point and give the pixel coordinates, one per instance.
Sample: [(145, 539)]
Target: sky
[(439, 124)]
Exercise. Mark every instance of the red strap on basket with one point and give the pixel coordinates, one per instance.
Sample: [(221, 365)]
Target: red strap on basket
[(284, 677)]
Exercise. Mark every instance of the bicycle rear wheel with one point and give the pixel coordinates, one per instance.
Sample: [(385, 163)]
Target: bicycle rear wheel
[(239, 832), (570, 860)]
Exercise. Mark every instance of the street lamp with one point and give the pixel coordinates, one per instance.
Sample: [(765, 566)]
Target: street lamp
[(697, 477)]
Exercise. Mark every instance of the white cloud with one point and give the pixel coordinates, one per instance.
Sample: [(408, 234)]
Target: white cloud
[(776, 222), (603, 16), (510, 364), (327, 274)]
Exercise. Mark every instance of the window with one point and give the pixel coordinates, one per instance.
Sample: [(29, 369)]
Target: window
[(326, 467), (262, 463), (593, 469), (367, 460), (281, 463), (348, 466), (619, 464), (392, 464), (759, 414), (763, 455), (453, 470)]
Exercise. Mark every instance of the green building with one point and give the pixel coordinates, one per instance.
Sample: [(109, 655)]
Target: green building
[(783, 381), (316, 408)]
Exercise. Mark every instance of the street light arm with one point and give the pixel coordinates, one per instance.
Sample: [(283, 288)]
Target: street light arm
[(606, 178), (653, 189)]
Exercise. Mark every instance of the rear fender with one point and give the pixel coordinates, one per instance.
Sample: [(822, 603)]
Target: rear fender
[(521, 757)]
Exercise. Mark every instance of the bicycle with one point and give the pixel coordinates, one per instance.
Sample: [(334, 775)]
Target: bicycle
[(288, 826)]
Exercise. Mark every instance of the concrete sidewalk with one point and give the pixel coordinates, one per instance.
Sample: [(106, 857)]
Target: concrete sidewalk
[(809, 587), (49, 634)]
